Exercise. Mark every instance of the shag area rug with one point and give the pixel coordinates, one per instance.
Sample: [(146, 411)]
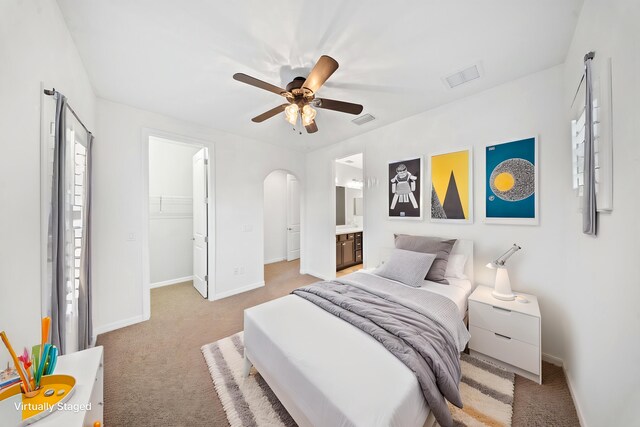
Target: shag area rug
[(487, 394), (487, 390)]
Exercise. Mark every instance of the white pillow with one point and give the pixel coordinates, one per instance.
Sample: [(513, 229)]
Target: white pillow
[(406, 267), (455, 266)]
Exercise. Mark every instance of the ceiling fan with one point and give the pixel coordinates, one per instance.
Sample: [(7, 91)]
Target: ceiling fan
[(301, 96)]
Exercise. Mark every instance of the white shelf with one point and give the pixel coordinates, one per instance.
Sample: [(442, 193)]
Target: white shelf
[(86, 367)]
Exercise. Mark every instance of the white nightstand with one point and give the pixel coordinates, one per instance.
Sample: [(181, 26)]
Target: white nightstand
[(506, 332)]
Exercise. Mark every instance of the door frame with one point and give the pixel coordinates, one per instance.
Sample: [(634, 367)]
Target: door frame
[(332, 204), (301, 190), (207, 199), (211, 224)]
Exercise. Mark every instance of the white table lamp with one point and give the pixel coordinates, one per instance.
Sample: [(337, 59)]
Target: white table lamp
[(502, 290)]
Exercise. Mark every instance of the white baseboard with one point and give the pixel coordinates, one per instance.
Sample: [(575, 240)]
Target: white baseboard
[(117, 325), (236, 291), (271, 261), (574, 397), (554, 360), (170, 282), (318, 275)]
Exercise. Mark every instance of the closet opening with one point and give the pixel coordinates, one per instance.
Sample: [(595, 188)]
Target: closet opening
[(178, 200)]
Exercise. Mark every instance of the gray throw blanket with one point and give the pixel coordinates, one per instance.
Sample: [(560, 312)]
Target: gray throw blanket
[(422, 329)]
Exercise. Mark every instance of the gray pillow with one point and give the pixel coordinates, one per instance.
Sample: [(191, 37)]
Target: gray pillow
[(433, 245), (406, 267)]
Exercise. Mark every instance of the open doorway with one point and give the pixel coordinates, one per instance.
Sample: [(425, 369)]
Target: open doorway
[(178, 214), (349, 214), (281, 222)]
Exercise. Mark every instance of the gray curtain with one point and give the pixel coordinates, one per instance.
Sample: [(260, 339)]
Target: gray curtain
[(589, 215), (59, 245), (57, 227), (85, 322)]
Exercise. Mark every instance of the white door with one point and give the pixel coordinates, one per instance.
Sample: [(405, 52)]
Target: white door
[(200, 234), (293, 218)]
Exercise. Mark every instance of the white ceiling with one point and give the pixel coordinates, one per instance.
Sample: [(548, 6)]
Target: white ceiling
[(178, 57), (355, 161)]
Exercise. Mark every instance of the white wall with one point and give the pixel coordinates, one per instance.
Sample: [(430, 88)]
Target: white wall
[(601, 324), (529, 106), (170, 237), (275, 217), (345, 174), (239, 166), (35, 47), (171, 167)]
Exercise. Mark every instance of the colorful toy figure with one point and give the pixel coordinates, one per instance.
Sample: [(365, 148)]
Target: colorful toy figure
[(402, 186)]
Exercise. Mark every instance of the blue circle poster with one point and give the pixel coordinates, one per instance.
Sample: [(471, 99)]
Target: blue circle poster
[(511, 180)]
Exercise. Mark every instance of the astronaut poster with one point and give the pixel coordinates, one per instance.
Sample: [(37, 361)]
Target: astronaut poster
[(405, 189)]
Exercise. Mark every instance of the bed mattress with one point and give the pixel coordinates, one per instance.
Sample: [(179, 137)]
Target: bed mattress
[(327, 372)]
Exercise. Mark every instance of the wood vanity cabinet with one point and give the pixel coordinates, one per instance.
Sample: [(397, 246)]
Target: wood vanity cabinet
[(348, 250)]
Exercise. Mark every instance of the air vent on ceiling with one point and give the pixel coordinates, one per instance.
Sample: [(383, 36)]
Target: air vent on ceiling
[(365, 118), (463, 76)]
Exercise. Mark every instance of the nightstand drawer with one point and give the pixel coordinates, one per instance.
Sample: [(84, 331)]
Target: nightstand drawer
[(505, 322), (510, 350)]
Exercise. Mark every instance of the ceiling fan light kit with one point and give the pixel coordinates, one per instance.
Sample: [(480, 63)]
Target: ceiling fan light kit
[(300, 93), (291, 113), (308, 115)]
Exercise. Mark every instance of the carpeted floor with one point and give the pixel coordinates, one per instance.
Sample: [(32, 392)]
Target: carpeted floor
[(155, 374)]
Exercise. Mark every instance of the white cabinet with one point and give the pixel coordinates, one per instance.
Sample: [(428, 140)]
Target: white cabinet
[(87, 401), (507, 332)]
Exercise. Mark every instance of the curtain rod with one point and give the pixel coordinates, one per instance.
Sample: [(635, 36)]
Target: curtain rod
[(52, 92), (589, 55)]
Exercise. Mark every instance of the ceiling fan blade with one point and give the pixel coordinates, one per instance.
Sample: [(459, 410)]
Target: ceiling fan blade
[(259, 84), (312, 128), (323, 69), (268, 114), (343, 107)]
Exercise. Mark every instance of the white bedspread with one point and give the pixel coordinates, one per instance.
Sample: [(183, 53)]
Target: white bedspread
[(338, 374), (327, 372)]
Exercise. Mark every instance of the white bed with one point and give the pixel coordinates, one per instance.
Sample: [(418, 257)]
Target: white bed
[(327, 372)]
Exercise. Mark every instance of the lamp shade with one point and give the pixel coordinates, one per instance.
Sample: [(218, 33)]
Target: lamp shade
[(502, 290)]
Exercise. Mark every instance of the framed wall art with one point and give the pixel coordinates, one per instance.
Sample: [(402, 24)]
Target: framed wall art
[(405, 189), (452, 187), (511, 182)]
